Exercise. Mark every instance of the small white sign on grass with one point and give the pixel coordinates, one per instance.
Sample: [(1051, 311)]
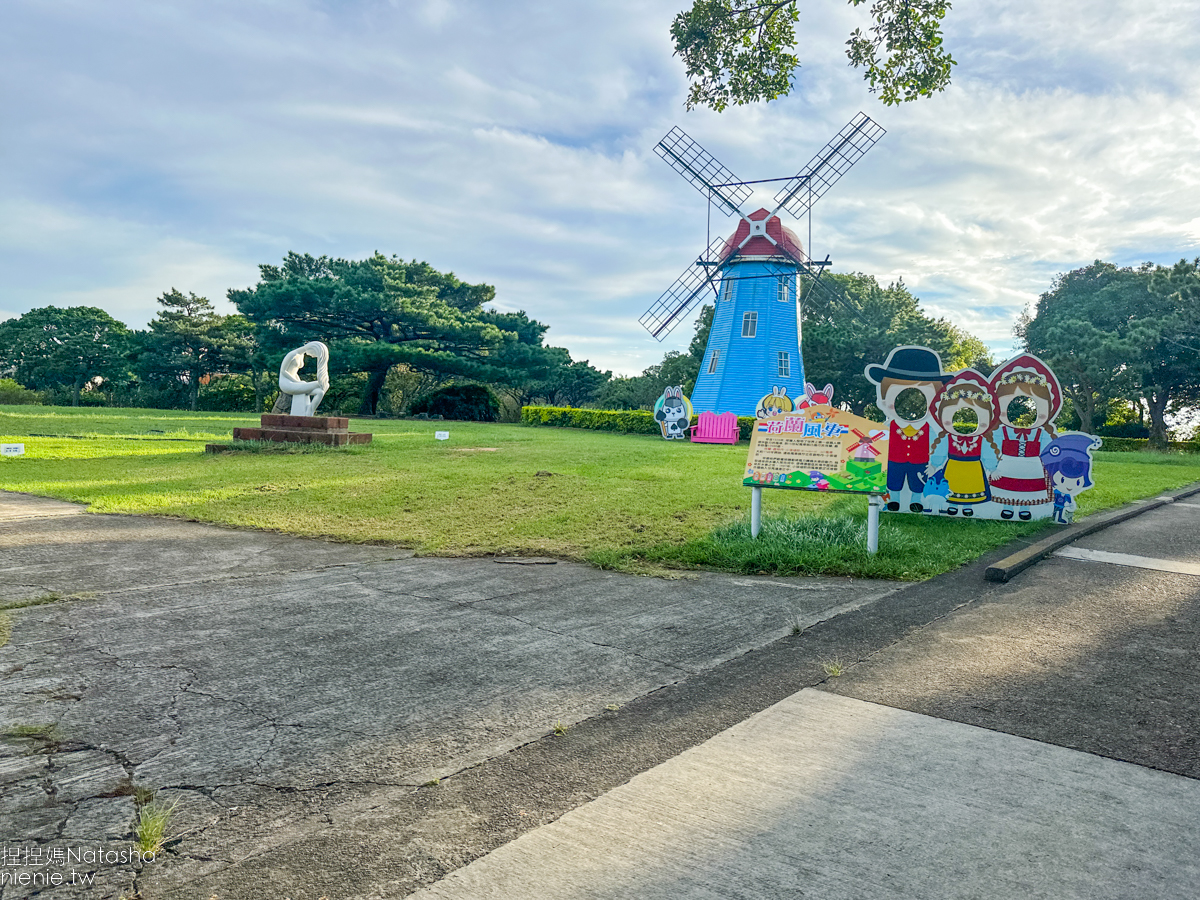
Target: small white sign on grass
[(12, 449), (442, 435)]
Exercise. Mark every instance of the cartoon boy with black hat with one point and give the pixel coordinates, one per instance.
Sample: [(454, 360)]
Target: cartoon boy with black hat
[(918, 368)]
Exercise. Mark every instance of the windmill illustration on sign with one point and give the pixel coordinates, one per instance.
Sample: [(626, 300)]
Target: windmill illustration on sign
[(754, 343)]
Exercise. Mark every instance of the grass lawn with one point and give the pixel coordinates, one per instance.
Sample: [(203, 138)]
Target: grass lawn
[(631, 502)]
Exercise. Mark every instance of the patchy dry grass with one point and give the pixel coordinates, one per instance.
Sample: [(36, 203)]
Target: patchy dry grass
[(630, 502)]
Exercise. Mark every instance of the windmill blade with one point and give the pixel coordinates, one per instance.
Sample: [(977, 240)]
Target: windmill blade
[(681, 297), (701, 168), (822, 287), (829, 165), (837, 301)]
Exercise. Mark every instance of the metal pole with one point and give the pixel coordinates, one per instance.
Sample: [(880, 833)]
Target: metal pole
[(874, 504), (755, 511)]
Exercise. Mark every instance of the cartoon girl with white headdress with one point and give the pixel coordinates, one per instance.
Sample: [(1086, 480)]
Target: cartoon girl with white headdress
[(1028, 398), (968, 391)]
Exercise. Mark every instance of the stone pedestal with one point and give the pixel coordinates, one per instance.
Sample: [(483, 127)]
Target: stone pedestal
[(333, 430)]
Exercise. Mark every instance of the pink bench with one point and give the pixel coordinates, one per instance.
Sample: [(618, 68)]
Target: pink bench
[(714, 429)]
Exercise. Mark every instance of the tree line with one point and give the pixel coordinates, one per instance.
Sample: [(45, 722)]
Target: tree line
[(398, 330), (1121, 339), (395, 329), (1125, 342)]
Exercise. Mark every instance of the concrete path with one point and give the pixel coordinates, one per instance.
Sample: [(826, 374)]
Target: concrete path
[(299, 699), (283, 690), (824, 796), (880, 784), (1086, 654)]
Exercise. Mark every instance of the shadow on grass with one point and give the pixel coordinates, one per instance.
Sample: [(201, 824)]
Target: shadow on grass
[(911, 548)]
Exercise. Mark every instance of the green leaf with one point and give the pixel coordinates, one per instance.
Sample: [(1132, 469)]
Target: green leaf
[(741, 51)]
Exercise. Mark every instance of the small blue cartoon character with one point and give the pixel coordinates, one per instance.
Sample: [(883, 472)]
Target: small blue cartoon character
[(1068, 464)]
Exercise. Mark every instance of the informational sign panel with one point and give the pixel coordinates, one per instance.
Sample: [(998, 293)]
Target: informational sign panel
[(12, 449), (818, 448), (442, 435)]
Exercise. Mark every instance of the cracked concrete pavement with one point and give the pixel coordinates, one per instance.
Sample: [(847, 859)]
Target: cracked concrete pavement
[(283, 690), (880, 783)]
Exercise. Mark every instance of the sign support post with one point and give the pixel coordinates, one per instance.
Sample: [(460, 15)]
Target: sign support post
[(874, 505), (755, 511)]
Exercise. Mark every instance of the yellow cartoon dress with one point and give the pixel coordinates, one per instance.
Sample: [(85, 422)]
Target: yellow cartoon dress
[(964, 470)]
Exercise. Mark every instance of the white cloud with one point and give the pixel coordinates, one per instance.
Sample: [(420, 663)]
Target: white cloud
[(434, 13), (157, 145)]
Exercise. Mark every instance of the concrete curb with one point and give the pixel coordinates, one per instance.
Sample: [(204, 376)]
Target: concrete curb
[(1006, 568)]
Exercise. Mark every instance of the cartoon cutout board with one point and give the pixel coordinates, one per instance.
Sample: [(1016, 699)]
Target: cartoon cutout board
[(1068, 463), (778, 402), (975, 446), (813, 397), (911, 377), (774, 404), (673, 412)]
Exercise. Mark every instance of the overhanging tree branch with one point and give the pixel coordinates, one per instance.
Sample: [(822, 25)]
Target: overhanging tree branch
[(741, 51)]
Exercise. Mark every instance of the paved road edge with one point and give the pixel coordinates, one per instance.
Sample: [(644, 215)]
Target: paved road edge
[(1006, 568)]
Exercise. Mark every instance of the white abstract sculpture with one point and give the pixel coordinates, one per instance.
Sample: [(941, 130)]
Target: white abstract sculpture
[(306, 395)]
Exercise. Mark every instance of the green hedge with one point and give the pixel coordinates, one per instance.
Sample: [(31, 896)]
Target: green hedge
[(638, 421), (15, 394), (1131, 445), (228, 393), (631, 421)]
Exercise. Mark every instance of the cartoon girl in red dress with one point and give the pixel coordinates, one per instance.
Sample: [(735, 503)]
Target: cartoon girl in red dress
[(1019, 481)]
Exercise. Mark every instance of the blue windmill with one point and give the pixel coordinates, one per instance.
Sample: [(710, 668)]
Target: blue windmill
[(754, 344)]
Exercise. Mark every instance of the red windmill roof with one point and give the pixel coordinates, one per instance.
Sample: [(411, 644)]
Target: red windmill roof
[(759, 245)]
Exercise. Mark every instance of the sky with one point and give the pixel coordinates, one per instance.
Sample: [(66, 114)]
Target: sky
[(156, 145)]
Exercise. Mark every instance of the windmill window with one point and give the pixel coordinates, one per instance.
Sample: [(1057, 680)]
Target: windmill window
[(785, 290), (785, 364), (750, 324), (712, 361)]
